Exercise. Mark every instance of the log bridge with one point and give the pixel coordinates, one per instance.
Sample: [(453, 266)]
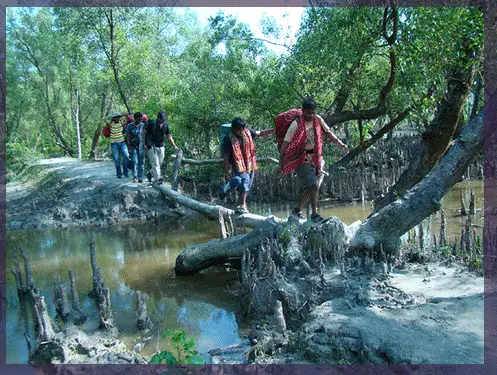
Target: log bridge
[(379, 234)]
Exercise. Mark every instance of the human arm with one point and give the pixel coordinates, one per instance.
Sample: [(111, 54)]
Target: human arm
[(171, 140), (263, 133), (331, 136)]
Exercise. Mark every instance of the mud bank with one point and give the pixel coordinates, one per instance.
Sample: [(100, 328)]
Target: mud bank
[(422, 314), (64, 192)]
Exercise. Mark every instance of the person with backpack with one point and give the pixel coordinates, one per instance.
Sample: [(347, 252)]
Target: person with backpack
[(154, 145), (301, 152), (239, 151), (134, 139), (115, 131)]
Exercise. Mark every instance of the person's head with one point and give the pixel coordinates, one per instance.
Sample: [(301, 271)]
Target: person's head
[(137, 117), (161, 117), (309, 109), (129, 118), (237, 125), (144, 118), (115, 117)]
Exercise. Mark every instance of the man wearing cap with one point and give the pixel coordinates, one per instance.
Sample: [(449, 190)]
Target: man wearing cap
[(239, 152), (154, 145), (118, 146)]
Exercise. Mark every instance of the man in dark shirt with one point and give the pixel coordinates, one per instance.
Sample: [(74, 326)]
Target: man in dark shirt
[(239, 152), (154, 144)]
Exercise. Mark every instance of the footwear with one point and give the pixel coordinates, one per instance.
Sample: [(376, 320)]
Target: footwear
[(297, 213), (126, 175), (140, 181), (149, 177), (119, 177), (134, 178), (160, 182), (317, 218), (241, 210)]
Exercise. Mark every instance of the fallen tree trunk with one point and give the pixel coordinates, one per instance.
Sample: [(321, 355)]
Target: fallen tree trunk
[(185, 161), (198, 257), (384, 228), (327, 239), (212, 211)]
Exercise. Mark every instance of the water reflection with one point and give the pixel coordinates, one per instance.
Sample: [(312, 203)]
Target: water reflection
[(130, 258), (142, 258), (451, 204)]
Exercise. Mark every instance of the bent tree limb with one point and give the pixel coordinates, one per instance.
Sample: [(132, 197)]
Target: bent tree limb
[(390, 14), (437, 136), (384, 228)]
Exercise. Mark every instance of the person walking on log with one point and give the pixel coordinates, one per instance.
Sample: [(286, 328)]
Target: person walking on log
[(154, 145), (239, 152), (118, 146), (301, 152), (134, 140)]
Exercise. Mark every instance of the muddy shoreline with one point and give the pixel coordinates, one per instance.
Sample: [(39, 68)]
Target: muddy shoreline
[(66, 193), (434, 308)]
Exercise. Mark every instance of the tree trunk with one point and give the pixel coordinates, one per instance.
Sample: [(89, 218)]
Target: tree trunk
[(96, 135), (177, 166), (76, 123), (113, 58), (438, 134), (385, 227), (185, 161), (329, 239), (212, 212)]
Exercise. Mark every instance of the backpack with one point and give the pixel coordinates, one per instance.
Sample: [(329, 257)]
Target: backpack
[(106, 131), (135, 135), (282, 123), (225, 131)]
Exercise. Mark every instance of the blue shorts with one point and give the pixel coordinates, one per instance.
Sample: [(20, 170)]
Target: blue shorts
[(242, 181)]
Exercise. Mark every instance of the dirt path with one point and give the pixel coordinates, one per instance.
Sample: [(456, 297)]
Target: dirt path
[(67, 192)]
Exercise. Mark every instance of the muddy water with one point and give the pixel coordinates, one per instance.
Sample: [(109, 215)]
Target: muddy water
[(451, 204), (142, 258), (130, 258)]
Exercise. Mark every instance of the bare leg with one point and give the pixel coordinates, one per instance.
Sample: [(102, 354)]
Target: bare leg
[(242, 199), (314, 199), (306, 196)]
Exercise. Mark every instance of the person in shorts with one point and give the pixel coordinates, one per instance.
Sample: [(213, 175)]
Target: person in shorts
[(239, 153), (301, 152)]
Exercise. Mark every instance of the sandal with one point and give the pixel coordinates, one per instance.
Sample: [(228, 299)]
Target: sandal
[(241, 210), (317, 218), (297, 213)]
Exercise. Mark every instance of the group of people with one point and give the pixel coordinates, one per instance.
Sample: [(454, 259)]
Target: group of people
[(300, 153), (136, 135)]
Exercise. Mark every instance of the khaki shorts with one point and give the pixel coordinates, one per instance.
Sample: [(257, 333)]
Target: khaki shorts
[(306, 174)]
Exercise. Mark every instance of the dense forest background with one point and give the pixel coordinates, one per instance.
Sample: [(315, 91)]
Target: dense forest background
[(369, 69)]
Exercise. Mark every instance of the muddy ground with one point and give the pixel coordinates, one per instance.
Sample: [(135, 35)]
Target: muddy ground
[(63, 192), (422, 313)]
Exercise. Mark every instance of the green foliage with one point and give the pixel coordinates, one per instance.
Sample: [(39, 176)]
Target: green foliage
[(184, 347), (18, 157), (204, 76)]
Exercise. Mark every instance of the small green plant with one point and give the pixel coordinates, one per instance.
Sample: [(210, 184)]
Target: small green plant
[(184, 347), (341, 361)]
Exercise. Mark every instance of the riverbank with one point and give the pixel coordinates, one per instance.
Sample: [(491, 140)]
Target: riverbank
[(422, 314), (65, 192), (418, 305)]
